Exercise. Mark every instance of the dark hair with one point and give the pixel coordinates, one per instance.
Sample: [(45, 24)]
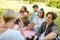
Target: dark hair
[(35, 6), (7, 19), (17, 21), (54, 15), (24, 9), (42, 12), (27, 12)]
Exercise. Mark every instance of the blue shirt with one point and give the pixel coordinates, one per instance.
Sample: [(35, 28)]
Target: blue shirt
[(34, 15), (11, 35)]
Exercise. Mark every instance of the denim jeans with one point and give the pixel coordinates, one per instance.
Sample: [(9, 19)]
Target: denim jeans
[(36, 29)]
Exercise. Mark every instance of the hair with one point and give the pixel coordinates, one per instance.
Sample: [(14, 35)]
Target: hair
[(24, 9), (27, 12), (35, 6), (8, 15), (54, 15), (42, 12)]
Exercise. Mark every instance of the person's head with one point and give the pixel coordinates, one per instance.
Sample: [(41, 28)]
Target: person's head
[(23, 9), (50, 17), (41, 13), (35, 8), (9, 15), (26, 13)]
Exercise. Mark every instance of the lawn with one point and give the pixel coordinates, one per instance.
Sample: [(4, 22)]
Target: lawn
[(16, 5)]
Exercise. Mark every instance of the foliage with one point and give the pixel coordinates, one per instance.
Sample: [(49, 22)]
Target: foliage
[(53, 3), (1, 10)]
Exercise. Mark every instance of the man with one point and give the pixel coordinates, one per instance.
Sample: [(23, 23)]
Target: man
[(35, 9), (48, 30)]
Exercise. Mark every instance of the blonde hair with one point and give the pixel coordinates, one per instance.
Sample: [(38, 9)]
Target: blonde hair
[(9, 14)]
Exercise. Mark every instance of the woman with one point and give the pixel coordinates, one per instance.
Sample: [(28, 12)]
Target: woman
[(23, 9), (21, 13), (25, 19), (48, 30), (36, 24), (7, 32)]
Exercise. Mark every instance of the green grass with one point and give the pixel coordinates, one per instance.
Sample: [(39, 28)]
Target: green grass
[(57, 21)]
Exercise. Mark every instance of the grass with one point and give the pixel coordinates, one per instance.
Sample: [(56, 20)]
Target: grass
[(57, 21), (16, 5)]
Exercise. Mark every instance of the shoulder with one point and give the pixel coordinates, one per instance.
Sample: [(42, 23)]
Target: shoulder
[(11, 34), (14, 34), (54, 26)]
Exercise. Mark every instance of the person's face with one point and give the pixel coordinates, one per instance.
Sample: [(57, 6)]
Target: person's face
[(35, 9), (49, 18), (22, 9), (25, 14), (40, 14)]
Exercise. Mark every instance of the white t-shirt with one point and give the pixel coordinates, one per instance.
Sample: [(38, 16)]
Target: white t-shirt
[(38, 22), (11, 34)]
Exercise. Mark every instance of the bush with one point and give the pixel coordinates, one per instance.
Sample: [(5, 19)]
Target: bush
[(53, 3), (1, 10)]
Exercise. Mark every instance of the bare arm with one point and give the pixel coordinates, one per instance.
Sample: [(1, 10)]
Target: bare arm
[(50, 36), (35, 37), (21, 29), (30, 26)]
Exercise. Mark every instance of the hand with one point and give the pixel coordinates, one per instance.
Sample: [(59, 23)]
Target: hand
[(27, 28), (35, 37), (20, 24)]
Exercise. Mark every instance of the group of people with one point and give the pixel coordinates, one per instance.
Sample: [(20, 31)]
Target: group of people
[(14, 24)]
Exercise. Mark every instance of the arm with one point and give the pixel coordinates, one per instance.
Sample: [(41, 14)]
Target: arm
[(18, 17), (21, 29), (32, 23), (35, 37), (53, 34), (50, 36), (22, 32), (30, 26), (38, 33)]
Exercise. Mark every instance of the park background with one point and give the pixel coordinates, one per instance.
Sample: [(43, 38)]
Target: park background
[(47, 5)]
